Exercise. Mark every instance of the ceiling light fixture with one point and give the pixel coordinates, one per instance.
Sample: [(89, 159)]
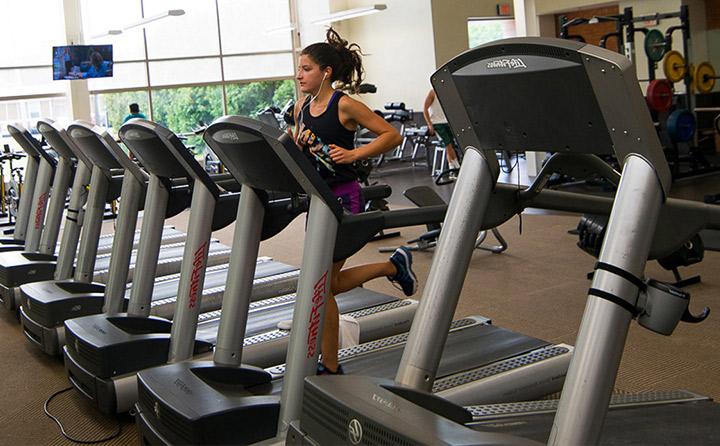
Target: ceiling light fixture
[(349, 14), (144, 21), (280, 29)]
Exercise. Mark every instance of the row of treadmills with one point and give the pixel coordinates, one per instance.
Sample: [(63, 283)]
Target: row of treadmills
[(184, 329), (136, 300)]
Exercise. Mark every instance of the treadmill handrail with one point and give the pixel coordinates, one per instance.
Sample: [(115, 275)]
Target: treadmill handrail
[(118, 154), (250, 149), (181, 155), (28, 143)]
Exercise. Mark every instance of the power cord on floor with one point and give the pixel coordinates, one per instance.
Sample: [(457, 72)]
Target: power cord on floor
[(517, 161), (62, 428), (507, 169)]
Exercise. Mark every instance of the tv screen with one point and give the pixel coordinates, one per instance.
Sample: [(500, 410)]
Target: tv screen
[(82, 61)]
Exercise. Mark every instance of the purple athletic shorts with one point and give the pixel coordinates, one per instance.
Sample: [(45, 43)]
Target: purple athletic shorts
[(350, 196)]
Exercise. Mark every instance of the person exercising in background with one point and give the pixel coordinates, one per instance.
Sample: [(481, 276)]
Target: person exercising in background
[(326, 120), (134, 113), (437, 123)]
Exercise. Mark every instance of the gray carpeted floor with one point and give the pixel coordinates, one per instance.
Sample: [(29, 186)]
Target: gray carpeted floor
[(538, 287)]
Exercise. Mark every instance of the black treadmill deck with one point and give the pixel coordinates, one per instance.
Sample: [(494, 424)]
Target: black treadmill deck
[(686, 423), (200, 405), (111, 345)]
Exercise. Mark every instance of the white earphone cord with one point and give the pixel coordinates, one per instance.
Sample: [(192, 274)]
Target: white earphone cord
[(302, 109)]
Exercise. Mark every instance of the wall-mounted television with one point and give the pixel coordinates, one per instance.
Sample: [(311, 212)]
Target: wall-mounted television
[(82, 61)]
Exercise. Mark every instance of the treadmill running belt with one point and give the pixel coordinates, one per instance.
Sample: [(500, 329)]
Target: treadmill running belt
[(465, 349), (166, 252), (267, 320), (691, 423), (218, 278), (105, 241)]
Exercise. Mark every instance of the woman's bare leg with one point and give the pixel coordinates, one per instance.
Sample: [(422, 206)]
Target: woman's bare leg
[(340, 282), (350, 278), (343, 280), (450, 153)]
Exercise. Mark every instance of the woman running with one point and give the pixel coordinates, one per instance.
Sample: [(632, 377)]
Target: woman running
[(326, 120)]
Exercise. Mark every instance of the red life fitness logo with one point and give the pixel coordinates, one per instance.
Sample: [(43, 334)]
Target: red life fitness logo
[(39, 214), (319, 292), (198, 263)]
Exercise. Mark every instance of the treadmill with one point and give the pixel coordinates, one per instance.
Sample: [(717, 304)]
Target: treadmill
[(518, 81), (8, 215), (223, 392), (46, 304), (103, 363), (32, 149), (17, 268), (127, 340), (40, 170)]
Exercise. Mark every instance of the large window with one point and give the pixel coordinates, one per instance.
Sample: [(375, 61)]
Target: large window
[(101, 16), (33, 26), (186, 109), (244, 25), (186, 61), (27, 91), (219, 57), (483, 30), (249, 99), (27, 112), (194, 34), (109, 109)]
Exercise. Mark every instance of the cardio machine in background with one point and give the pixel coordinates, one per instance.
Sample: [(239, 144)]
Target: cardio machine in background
[(10, 188)]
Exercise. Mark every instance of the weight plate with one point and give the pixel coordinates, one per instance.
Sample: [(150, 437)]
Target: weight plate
[(681, 125), (674, 66), (705, 77), (655, 45), (660, 95)]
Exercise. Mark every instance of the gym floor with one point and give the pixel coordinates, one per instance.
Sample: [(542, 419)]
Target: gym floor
[(537, 286)]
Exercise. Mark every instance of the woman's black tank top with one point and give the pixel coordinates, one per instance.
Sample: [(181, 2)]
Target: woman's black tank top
[(329, 129)]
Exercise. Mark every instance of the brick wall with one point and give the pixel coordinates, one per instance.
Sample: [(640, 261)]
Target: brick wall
[(712, 10), (592, 33)]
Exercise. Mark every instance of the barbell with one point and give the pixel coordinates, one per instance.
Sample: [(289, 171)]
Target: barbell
[(676, 68)]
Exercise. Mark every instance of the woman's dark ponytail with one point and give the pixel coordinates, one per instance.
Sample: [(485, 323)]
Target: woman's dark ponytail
[(351, 70), (345, 59)]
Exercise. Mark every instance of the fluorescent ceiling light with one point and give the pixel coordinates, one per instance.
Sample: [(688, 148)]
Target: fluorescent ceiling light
[(145, 21), (162, 15), (279, 29), (111, 32), (349, 14)]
